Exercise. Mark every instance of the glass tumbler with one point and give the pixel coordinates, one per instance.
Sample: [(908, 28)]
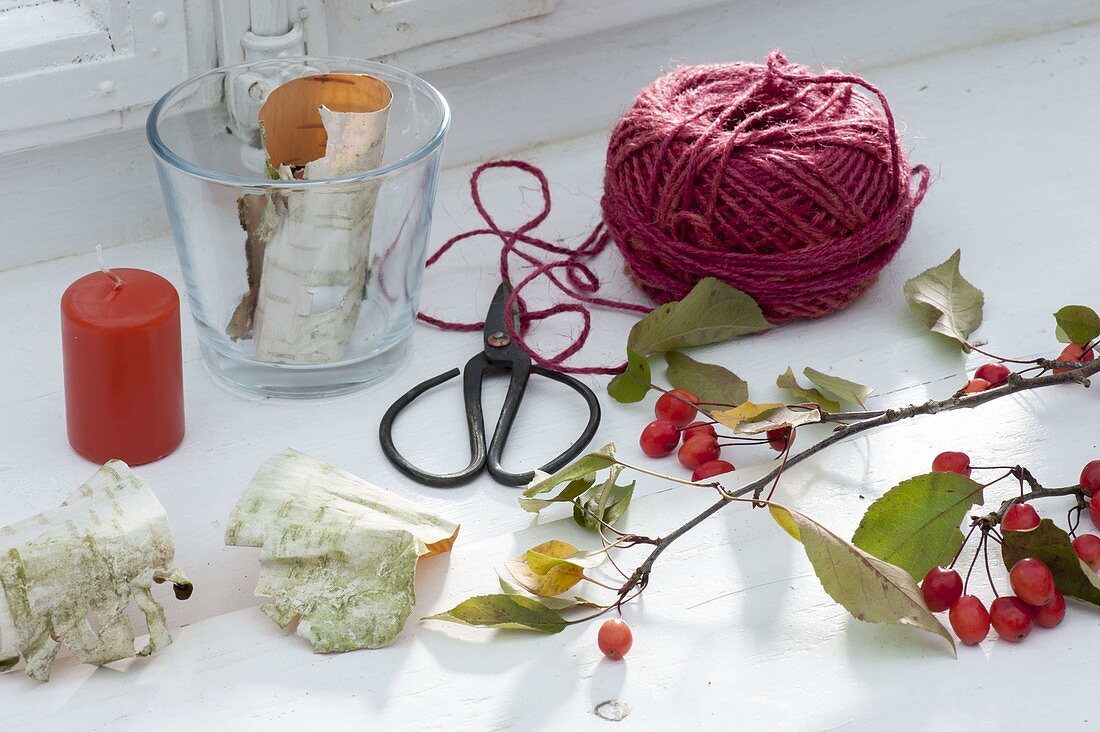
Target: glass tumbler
[(299, 287)]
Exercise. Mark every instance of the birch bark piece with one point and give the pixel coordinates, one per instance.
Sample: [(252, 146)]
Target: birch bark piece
[(250, 211), (315, 261), (338, 553), (85, 561)]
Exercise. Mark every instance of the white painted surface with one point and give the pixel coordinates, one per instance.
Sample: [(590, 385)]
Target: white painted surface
[(542, 88), (36, 36), (72, 69), (383, 27), (733, 631)]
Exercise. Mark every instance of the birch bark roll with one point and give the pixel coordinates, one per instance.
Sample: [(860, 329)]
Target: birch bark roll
[(315, 262), (102, 549)]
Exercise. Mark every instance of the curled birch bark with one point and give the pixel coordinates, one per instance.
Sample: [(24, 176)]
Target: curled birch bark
[(338, 553), (315, 243), (85, 562)]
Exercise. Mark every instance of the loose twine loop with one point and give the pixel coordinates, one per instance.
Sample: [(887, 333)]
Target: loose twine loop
[(579, 283), (782, 182)]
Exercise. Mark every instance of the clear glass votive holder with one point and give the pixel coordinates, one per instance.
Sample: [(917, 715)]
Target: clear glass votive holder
[(299, 288)]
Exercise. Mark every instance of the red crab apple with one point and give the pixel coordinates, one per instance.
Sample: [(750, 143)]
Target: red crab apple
[(677, 406), (995, 373), (969, 619), (615, 639)]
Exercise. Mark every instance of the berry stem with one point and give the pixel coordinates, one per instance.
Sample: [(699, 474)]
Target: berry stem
[(865, 421), (782, 465), (1037, 492), (962, 546), (985, 555), (970, 569)]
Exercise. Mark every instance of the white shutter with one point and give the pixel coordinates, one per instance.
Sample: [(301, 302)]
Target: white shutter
[(73, 68)]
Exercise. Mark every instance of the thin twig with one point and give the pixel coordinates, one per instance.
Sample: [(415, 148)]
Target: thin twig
[(864, 421)]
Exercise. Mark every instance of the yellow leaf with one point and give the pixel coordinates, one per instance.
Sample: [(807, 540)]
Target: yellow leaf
[(745, 412), (544, 557), (553, 583), (556, 576), (778, 418), (783, 517)]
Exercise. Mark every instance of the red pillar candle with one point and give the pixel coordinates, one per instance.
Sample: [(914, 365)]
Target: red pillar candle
[(120, 335)]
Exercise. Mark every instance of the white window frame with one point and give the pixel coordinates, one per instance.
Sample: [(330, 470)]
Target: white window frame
[(74, 68)]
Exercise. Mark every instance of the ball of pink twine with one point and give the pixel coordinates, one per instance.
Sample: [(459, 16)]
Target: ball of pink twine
[(788, 184)]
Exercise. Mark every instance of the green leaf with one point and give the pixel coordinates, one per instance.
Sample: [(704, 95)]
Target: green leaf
[(915, 525), (711, 383), (788, 381), (633, 384), (514, 612), (712, 312), (869, 588), (572, 489), (1077, 324), (1049, 543), (842, 389), (944, 301), (786, 522), (608, 501), (582, 467)]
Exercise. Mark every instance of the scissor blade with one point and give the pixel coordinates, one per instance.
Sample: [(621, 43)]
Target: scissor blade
[(498, 316)]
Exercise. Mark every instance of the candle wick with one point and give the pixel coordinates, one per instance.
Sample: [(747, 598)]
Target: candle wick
[(106, 270)]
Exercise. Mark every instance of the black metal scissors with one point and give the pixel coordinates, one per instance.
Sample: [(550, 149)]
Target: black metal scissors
[(500, 354)]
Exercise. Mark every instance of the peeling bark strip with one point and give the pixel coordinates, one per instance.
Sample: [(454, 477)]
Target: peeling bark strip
[(250, 211), (86, 560), (338, 553), (308, 255)]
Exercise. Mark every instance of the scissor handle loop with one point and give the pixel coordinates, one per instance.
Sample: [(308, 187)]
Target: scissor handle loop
[(480, 455), (500, 438), (475, 423)]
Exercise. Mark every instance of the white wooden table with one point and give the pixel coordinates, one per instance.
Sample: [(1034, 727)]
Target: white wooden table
[(735, 631)]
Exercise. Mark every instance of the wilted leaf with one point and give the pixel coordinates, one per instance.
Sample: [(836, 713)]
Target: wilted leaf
[(712, 312), (915, 525), (944, 301), (1077, 324), (582, 467), (842, 389), (869, 588), (544, 557), (711, 383), (788, 381), (784, 416), (608, 501), (573, 489), (633, 384), (1052, 545), (546, 578), (338, 554), (514, 612), (744, 412), (554, 603)]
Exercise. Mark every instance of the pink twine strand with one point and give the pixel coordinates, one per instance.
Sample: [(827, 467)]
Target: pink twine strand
[(566, 269)]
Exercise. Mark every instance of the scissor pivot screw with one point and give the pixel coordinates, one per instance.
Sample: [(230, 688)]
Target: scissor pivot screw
[(498, 339)]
